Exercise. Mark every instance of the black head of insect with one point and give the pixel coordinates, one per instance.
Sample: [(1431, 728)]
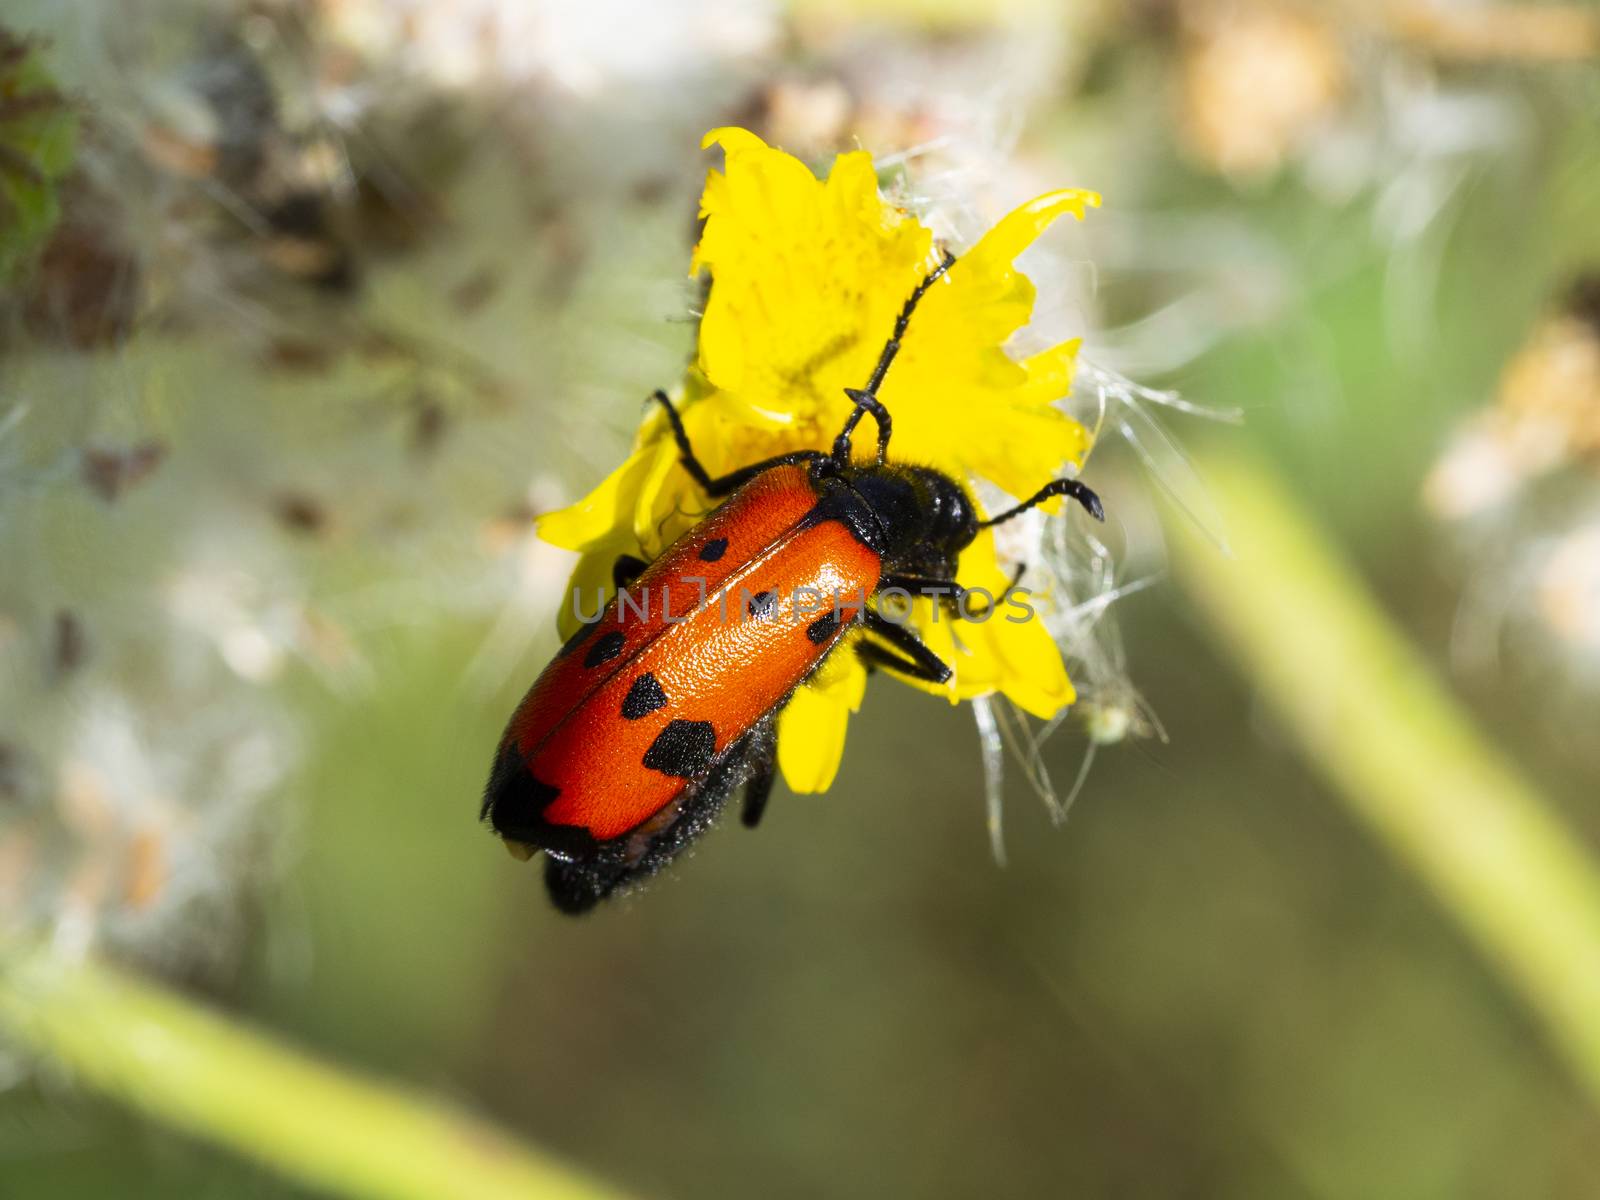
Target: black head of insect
[(919, 519)]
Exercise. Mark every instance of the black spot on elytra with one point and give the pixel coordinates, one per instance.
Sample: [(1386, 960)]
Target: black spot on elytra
[(762, 605), (577, 639), (683, 748), (823, 627), (643, 698), (605, 649), (713, 550), (515, 800)]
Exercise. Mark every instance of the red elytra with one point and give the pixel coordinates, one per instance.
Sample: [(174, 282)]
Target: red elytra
[(725, 663)]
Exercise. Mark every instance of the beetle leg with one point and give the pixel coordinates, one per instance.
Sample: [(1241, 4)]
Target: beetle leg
[(918, 662), (947, 590), (874, 655), (626, 569), (734, 480), (680, 435), (763, 767), (722, 485)]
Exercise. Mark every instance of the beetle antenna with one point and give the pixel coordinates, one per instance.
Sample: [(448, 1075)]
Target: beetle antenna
[(1056, 487), (866, 399)]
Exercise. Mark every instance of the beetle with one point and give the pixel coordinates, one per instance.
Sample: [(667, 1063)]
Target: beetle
[(629, 743)]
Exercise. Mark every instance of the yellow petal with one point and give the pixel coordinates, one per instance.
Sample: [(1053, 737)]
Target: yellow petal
[(1050, 373), (732, 138), (811, 727), (1039, 443), (989, 299), (1032, 673), (1005, 652), (589, 589), (1019, 660), (657, 498), (980, 567), (604, 510), (722, 345), (1019, 229)]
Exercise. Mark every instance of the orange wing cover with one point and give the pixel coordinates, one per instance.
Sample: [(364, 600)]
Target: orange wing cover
[(639, 705)]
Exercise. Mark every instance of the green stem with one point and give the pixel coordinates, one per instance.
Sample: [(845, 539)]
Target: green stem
[(1376, 723), (199, 1072)]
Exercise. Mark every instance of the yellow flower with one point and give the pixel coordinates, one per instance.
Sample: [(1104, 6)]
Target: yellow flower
[(807, 277)]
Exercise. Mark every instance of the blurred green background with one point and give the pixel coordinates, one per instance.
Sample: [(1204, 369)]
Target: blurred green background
[(1209, 982)]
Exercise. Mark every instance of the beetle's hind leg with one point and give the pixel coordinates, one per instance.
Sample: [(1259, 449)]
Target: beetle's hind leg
[(763, 764)]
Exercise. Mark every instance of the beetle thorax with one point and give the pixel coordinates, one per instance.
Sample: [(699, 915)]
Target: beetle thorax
[(921, 518)]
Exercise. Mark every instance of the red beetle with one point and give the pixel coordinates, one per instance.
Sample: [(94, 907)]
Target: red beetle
[(630, 741)]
